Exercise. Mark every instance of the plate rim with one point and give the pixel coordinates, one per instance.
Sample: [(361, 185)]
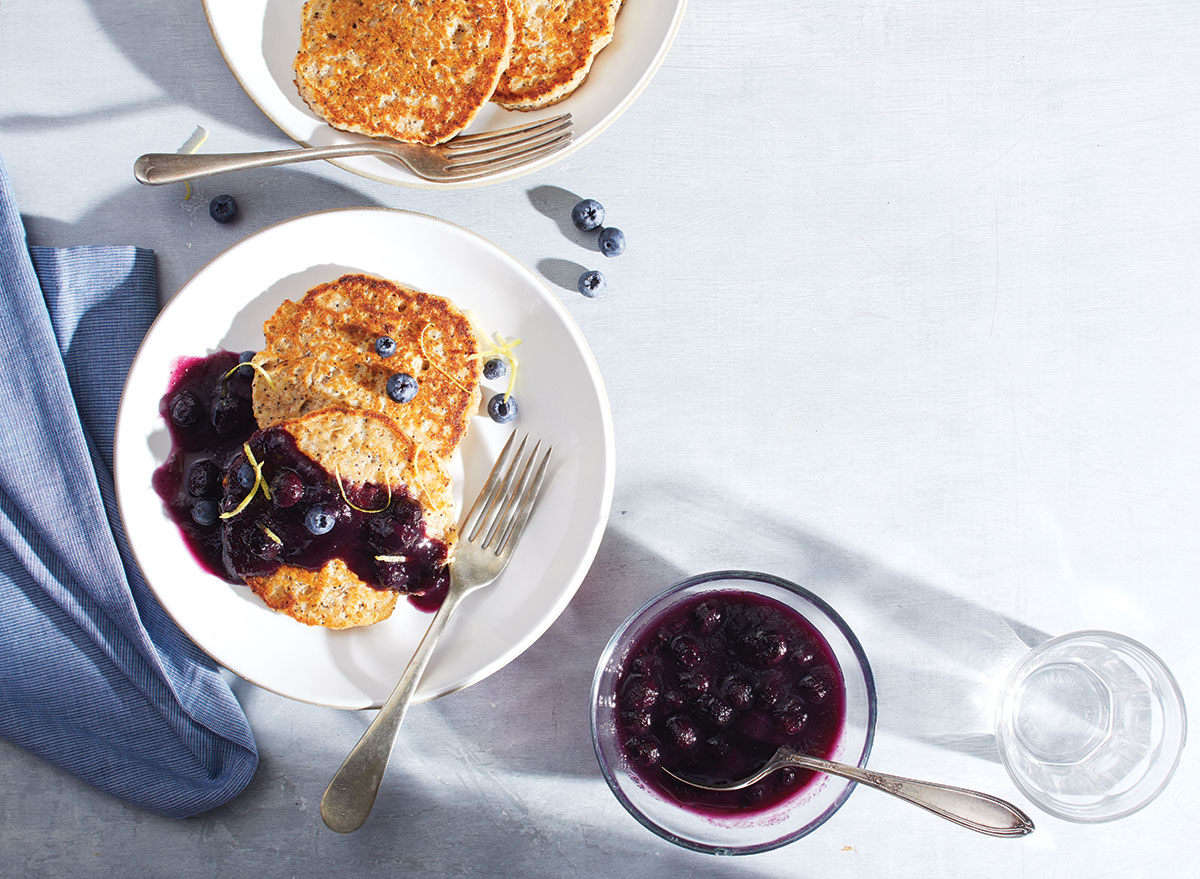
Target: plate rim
[(598, 528), (416, 182)]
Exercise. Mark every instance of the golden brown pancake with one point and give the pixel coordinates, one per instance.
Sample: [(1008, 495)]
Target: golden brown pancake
[(556, 42), (320, 352), (413, 70), (361, 447)]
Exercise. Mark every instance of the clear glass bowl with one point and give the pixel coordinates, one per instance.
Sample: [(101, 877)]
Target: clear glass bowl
[(1091, 726), (735, 833)]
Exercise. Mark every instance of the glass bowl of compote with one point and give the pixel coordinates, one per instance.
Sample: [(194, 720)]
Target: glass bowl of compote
[(706, 681)]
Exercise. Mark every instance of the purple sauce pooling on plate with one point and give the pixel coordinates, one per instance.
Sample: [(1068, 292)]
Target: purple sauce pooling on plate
[(714, 687), (210, 417)]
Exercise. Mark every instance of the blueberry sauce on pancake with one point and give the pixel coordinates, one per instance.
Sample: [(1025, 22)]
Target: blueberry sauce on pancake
[(274, 504)]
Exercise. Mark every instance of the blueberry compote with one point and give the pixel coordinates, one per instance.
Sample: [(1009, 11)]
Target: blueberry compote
[(297, 513), (715, 686)]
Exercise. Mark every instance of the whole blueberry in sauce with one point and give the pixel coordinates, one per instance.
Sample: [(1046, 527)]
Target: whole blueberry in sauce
[(714, 686), (379, 534)]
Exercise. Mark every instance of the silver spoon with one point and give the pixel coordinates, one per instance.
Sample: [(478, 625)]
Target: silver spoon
[(972, 809)]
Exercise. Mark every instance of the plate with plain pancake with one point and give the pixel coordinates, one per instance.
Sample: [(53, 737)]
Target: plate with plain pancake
[(259, 40), (561, 400)]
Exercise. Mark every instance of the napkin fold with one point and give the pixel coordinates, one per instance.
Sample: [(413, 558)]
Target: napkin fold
[(94, 676)]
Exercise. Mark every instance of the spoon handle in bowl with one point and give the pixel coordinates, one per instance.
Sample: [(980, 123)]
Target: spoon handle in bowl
[(977, 811)]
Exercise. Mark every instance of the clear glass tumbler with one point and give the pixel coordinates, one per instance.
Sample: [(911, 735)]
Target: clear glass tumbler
[(1091, 726)]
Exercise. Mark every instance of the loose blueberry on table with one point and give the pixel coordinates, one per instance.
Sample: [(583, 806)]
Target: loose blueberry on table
[(714, 687), (611, 241), (223, 208), (245, 515), (592, 284), (587, 215)]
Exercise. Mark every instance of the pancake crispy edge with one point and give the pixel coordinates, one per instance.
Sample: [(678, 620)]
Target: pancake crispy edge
[(319, 352), (361, 447), (556, 42), (414, 70)]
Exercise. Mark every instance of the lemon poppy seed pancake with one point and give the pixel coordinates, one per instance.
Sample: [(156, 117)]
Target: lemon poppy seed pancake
[(555, 44), (367, 456), (321, 352), (413, 70)]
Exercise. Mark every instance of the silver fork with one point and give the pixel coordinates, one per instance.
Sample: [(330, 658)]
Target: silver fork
[(465, 157), (485, 544)]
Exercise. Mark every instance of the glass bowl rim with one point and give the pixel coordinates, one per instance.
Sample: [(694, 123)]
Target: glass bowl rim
[(755, 577)]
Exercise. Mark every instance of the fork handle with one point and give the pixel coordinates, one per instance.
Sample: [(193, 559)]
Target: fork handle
[(974, 810), (157, 168), (351, 793)]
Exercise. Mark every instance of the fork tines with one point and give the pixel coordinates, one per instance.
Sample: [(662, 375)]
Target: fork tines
[(491, 151), (499, 514)]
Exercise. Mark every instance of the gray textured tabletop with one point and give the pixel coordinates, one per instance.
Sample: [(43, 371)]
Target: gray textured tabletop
[(908, 315)]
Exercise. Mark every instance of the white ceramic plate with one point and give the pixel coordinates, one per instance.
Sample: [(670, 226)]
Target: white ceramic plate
[(561, 398), (259, 39)]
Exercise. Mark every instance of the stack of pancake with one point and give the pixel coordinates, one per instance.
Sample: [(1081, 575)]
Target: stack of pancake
[(320, 378), (421, 70)]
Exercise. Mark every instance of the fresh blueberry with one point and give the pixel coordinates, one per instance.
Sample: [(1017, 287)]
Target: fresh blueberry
[(287, 488), (587, 215), (319, 520), (204, 512), (246, 356), (223, 208), (401, 387), (502, 410), (245, 475), (202, 479), (385, 346), (185, 409), (612, 241), (494, 368), (592, 284)]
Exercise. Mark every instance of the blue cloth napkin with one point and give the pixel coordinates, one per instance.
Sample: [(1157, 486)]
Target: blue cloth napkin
[(94, 676)]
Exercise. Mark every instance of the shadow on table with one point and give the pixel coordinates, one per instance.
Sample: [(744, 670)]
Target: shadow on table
[(512, 768), (937, 657), (179, 229), (177, 51)]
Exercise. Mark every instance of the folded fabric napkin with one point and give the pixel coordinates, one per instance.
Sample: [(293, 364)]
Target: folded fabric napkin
[(94, 676)]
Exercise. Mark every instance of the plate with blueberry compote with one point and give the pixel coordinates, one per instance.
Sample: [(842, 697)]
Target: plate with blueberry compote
[(707, 681), (218, 316)]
